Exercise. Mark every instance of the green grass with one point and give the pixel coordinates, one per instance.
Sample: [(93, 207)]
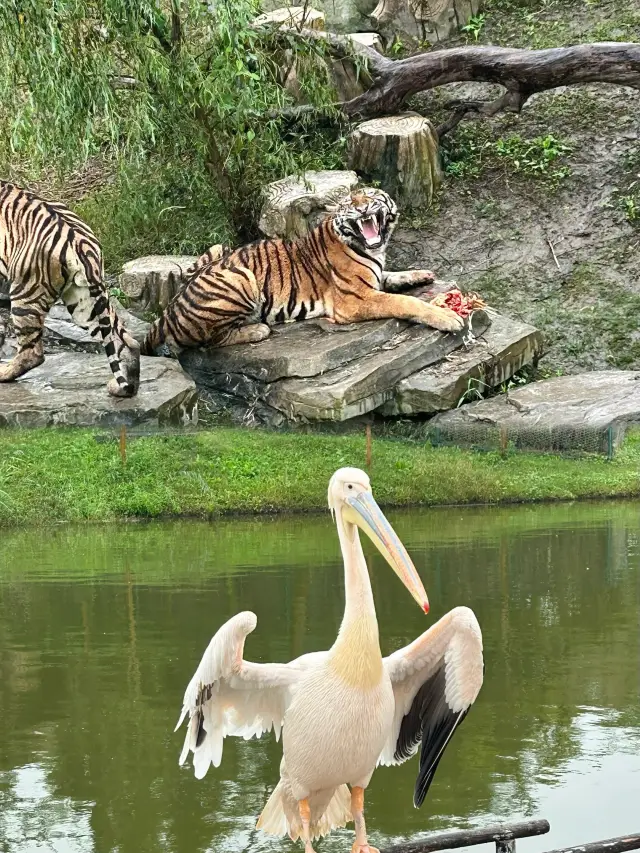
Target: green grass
[(473, 153), (67, 475)]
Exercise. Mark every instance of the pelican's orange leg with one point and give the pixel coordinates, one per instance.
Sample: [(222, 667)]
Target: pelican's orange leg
[(360, 845), (305, 817)]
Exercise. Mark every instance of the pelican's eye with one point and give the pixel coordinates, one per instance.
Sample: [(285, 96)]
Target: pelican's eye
[(349, 486)]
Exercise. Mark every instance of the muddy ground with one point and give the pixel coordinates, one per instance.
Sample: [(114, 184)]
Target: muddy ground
[(563, 257), (558, 247)]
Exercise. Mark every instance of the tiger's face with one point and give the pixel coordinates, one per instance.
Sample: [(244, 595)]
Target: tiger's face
[(366, 219)]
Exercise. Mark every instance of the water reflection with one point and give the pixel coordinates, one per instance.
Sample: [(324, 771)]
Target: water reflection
[(101, 628)]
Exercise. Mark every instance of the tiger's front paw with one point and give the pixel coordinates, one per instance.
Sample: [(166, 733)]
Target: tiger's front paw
[(423, 276), (445, 320)]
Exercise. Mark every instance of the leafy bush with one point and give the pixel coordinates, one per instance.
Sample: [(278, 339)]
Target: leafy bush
[(183, 102)]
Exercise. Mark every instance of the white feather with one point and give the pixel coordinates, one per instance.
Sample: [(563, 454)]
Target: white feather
[(240, 698)]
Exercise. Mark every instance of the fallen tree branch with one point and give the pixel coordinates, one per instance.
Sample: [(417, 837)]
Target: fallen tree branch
[(521, 72), (509, 102)]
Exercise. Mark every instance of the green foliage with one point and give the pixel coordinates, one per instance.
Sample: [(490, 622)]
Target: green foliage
[(535, 157), (149, 82), (471, 152), (236, 470), (159, 207), (475, 26)]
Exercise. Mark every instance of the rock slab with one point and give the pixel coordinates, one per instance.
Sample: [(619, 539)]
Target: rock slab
[(317, 371), (61, 329), (70, 389), (585, 412), (506, 347)]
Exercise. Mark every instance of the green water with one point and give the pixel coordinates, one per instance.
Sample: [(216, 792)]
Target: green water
[(102, 627)]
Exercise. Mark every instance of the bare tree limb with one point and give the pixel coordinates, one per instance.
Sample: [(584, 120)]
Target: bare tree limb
[(510, 101), (521, 72)]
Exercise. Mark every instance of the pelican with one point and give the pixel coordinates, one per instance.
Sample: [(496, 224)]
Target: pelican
[(344, 711)]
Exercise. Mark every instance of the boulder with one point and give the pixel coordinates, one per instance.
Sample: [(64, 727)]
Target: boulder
[(70, 389), (151, 282), (345, 16), (294, 205), (505, 347), (319, 371), (400, 152), (585, 412)]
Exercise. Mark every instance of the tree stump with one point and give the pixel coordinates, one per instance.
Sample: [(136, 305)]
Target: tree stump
[(292, 17), (346, 77), (423, 20), (295, 205), (401, 152), (150, 283)]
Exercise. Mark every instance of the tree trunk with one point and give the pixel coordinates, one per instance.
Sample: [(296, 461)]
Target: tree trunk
[(402, 153)]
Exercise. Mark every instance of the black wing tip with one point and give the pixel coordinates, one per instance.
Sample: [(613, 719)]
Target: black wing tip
[(430, 758), (201, 732)]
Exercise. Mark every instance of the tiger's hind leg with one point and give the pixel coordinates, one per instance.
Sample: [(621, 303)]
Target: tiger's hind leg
[(217, 308), (28, 322), (250, 334), (89, 306)]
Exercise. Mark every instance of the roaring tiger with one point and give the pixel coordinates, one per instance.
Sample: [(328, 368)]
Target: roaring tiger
[(336, 271), (47, 252)]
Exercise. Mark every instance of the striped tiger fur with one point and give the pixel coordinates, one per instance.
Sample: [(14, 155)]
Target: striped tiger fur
[(336, 271), (47, 252)]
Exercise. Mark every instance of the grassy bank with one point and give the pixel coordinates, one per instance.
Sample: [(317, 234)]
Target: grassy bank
[(71, 475)]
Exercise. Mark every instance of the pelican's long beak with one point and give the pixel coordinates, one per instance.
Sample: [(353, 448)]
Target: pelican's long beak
[(362, 510)]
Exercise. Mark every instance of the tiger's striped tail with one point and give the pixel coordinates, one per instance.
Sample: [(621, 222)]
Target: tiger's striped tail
[(88, 303), (155, 338)]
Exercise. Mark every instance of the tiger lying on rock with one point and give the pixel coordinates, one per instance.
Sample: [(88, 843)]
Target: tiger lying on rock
[(336, 271), (47, 252)]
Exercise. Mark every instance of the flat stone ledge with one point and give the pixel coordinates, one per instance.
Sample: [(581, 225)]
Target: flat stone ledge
[(70, 389), (505, 347), (319, 371), (584, 412)]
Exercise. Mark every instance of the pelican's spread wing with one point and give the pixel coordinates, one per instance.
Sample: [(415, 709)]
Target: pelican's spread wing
[(230, 696), (435, 681)]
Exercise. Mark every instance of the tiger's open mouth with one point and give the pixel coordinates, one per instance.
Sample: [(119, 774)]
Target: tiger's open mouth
[(370, 229)]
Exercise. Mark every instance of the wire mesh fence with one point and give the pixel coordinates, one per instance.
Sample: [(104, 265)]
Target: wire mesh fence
[(480, 436), (563, 440)]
